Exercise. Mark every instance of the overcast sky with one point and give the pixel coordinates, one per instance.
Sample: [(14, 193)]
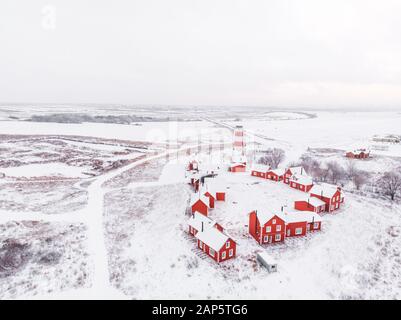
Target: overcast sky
[(286, 53)]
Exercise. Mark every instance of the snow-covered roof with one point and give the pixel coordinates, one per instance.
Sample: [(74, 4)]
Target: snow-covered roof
[(213, 188), (196, 221), (358, 151), (265, 215), (316, 202), (278, 172), (302, 179), (325, 190), (267, 258), (213, 238), (260, 167), (301, 216), (298, 170), (236, 164), (201, 197)]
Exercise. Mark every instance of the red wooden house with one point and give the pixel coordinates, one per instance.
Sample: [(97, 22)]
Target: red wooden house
[(266, 227), (289, 172), (331, 195), (275, 175), (212, 199), (237, 167), (299, 223), (260, 170), (216, 244), (198, 222), (303, 183), (200, 204), (358, 154), (312, 204)]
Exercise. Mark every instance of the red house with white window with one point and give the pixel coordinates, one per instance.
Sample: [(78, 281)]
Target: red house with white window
[(266, 227), (312, 204), (299, 223), (302, 183), (200, 204), (331, 195), (260, 170), (289, 172), (276, 174), (216, 244)]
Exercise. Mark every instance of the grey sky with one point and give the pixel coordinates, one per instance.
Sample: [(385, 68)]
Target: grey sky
[(210, 52)]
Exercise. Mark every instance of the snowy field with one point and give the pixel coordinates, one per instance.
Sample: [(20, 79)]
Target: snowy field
[(97, 210)]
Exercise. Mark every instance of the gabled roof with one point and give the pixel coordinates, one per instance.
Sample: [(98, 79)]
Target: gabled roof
[(260, 167), (212, 188), (316, 202), (325, 190), (297, 170), (237, 164), (278, 172), (302, 216), (265, 216), (198, 197), (302, 179), (195, 221), (213, 238)]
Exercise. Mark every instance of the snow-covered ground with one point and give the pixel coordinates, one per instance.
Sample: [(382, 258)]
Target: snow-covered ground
[(120, 232)]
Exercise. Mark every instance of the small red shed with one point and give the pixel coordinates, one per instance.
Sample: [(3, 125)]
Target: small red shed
[(200, 204), (312, 204), (212, 199), (237, 167)]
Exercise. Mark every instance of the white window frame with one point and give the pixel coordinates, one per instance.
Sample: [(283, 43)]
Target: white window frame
[(268, 229), (223, 255), (230, 252), (277, 237), (274, 221), (278, 227), (265, 239), (315, 225), (227, 244), (212, 253), (298, 231)]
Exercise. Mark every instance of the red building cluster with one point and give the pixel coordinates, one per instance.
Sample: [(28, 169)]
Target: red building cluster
[(273, 227)]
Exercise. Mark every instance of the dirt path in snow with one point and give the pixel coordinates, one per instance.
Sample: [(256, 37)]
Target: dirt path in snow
[(92, 216)]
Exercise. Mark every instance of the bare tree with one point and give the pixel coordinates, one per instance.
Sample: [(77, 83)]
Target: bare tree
[(351, 169), (336, 172), (273, 157), (360, 178), (390, 184)]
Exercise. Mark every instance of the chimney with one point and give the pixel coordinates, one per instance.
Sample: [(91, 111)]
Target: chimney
[(202, 226)]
